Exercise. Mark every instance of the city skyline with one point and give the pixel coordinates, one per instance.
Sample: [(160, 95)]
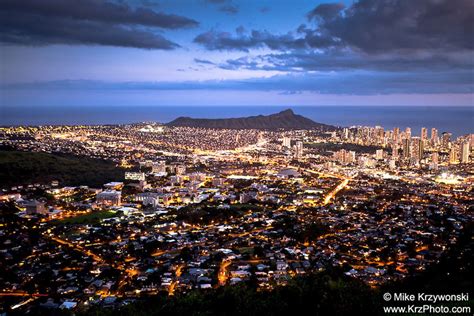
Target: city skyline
[(237, 53), (236, 157), (147, 213)]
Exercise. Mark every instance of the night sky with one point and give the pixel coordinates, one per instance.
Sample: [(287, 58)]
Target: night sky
[(202, 52)]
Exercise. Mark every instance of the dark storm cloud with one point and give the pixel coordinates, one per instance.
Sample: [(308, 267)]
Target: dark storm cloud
[(370, 26), (326, 11), (374, 25), (425, 36), (97, 10), (242, 41), (27, 30), (85, 22)]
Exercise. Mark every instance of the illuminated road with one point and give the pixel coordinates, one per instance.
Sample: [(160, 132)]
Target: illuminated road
[(333, 193), (336, 233), (172, 287), (223, 273), (21, 294), (126, 273), (321, 174), (31, 299), (243, 234), (78, 248)]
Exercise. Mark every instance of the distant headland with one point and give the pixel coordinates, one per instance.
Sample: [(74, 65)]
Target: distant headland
[(286, 119)]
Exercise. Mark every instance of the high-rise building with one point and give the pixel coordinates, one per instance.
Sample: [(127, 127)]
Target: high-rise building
[(445, 140), (387, 138), (424, 133), (392, 164), (286, 142), (345, 156), (346, 133), (299, 149), (350, 157), (453, 155), (379, 134), (406, 148), (379, 154), (434, 136), (396, 135), (465, 152), (395, 152), (408, 132), (434, 161), (417, 148)]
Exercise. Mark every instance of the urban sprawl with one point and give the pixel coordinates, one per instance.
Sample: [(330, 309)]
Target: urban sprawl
[(202, 208)]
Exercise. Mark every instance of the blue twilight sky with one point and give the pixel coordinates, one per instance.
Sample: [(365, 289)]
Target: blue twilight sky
[(229, 52)]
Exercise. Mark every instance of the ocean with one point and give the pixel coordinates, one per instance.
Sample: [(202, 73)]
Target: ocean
[(454, 119)]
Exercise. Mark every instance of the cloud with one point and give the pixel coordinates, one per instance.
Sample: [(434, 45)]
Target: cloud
[(230, 9), (99, 11), (203, 61), (359, 82), (27, 30), (225, 6), (343, 60), (374, 25), (426, 37), (240, 29), (87, 22), (369, 26), (326, 11), (243, 41)]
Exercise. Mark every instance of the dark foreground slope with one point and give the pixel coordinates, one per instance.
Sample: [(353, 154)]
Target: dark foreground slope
[(329, 292), (326, 293), (284, 120), (18, 168)]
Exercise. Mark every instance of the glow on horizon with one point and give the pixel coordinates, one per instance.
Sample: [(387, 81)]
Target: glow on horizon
[(222, 98)]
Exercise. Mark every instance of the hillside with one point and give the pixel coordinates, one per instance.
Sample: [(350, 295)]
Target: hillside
[(17, 168), (283, 120)]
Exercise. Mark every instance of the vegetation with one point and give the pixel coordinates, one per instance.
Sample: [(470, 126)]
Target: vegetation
[(18, 168), (319, 294), (453, 273), (206, 213), (90, 218)]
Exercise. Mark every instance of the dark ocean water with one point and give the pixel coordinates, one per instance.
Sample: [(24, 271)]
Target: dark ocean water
[(458, 120)]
